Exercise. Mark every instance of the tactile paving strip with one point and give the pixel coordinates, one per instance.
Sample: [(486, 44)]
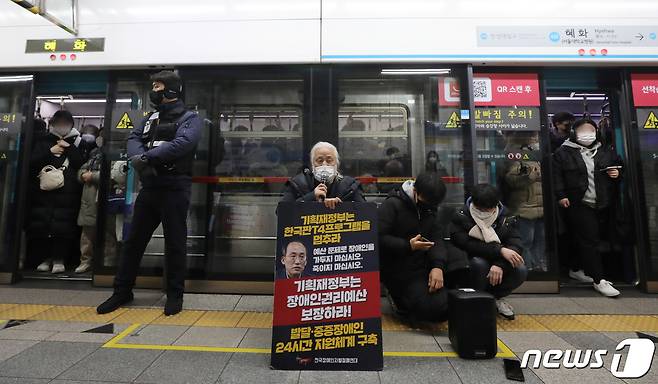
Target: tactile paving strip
[(182, 318), (619, 323), (521, 323), (219, 319), (256, 320), (565, 323), (138, 315), (90, 315), (61, 313), (23, 311)]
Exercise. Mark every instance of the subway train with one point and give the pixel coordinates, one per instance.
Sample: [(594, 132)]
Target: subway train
[(270, 79)]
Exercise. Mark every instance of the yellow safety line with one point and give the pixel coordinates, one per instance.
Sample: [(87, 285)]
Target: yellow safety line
[(114, 343), (505, 351), (120, 336)]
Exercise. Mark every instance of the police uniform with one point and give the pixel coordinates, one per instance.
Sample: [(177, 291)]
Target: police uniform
[(167, 142)]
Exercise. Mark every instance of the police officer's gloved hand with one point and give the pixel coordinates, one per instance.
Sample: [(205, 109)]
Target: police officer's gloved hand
[(139, 162)]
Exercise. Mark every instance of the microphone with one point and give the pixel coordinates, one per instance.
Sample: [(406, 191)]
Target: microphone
[(323, 176)]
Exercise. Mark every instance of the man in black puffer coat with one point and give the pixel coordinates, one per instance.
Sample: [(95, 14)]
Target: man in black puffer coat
[(492, 241), (412, 252), (52, 224)]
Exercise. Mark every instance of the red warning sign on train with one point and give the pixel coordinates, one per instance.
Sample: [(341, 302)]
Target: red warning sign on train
[(494, 89), (645, 89)]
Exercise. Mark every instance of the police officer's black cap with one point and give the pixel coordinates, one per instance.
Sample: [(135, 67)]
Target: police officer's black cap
[(170, 80)]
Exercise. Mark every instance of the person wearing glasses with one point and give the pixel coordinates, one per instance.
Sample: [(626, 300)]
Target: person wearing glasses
[(293, 259)]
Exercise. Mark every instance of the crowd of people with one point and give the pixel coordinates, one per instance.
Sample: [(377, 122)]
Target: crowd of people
[(489, 244)]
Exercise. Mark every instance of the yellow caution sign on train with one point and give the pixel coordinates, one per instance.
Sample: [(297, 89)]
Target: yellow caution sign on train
[(453, 121), (125, 122), (652, 121)]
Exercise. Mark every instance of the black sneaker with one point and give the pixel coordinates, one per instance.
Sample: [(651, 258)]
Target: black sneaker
[(173, 306), (114, 302)]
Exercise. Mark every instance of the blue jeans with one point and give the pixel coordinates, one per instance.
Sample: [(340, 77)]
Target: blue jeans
[(512, 278), (533, 242)]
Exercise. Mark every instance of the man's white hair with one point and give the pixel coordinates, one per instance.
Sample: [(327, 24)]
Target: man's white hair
[(324, 144)]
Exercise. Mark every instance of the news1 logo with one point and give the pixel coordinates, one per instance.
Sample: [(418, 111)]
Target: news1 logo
[(637, 363)]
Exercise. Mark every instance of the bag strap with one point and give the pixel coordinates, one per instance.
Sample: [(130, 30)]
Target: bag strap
[(65, 164)]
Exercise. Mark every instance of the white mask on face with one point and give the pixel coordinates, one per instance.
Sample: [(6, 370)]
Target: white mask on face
[(325, 173), (586, 139)]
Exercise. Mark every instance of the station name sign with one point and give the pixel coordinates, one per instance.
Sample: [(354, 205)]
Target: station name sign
[(65, 45)]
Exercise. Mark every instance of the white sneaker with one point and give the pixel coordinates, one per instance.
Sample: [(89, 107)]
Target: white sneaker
[(580, 276), (82, 268), (505, 309), (58, 268), (605, 288), (44, 267)]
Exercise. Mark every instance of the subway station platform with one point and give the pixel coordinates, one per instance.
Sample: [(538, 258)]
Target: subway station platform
[(52, 335)]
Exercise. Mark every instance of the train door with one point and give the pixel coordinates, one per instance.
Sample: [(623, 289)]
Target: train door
[(512, 153), (596, 95), (15, 96), (641, 91), (83, 95)]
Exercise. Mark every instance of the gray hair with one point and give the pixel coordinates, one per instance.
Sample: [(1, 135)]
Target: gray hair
[(324, 144)]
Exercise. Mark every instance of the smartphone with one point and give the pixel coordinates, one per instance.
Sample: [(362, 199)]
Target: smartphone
[(513, 370), (612, 167), (422, 238)]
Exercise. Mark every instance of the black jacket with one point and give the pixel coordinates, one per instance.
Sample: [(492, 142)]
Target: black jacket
[(505, 227), (54, 213), (570, 175), (399, 221), (300, 188)]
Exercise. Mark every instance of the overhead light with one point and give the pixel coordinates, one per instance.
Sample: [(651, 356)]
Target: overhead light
[(416, 71), (564, 98), (13, 79), (588, 95), (70, 99)]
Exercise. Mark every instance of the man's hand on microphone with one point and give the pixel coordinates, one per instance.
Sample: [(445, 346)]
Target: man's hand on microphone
[(320, 192)]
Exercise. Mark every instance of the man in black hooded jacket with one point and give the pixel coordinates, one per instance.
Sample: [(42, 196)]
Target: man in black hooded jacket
[(413, 255)]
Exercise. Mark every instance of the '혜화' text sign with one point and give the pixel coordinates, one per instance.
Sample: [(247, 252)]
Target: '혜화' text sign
[(327, 312)]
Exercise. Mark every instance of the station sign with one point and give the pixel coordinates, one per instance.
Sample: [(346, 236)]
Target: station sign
[(65, 45)]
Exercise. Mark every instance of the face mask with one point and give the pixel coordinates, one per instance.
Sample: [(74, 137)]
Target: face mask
[(423, 206), (432, 160), (156, 97), (61, 130), (324, 173), (586, 139), (89, 138), (99, 141)]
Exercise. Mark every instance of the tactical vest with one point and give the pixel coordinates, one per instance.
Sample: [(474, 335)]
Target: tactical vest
[(156, 133)]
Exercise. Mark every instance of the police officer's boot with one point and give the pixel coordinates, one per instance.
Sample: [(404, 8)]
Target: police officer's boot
[(114, 302), (173, 305)]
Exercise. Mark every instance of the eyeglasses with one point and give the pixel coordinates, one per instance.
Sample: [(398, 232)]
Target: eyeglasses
[(298, 257)]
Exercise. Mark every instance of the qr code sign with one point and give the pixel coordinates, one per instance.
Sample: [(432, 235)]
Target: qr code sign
[(482, 89)]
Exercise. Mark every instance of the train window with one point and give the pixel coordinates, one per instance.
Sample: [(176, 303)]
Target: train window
[(393, 127), (256, 145)]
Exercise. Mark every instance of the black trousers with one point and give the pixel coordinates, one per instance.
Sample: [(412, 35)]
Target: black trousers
[(155, 206), (585, 225), (512, 278), (412, 295)]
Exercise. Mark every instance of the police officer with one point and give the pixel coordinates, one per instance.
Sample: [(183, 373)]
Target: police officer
[(162, 151)]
